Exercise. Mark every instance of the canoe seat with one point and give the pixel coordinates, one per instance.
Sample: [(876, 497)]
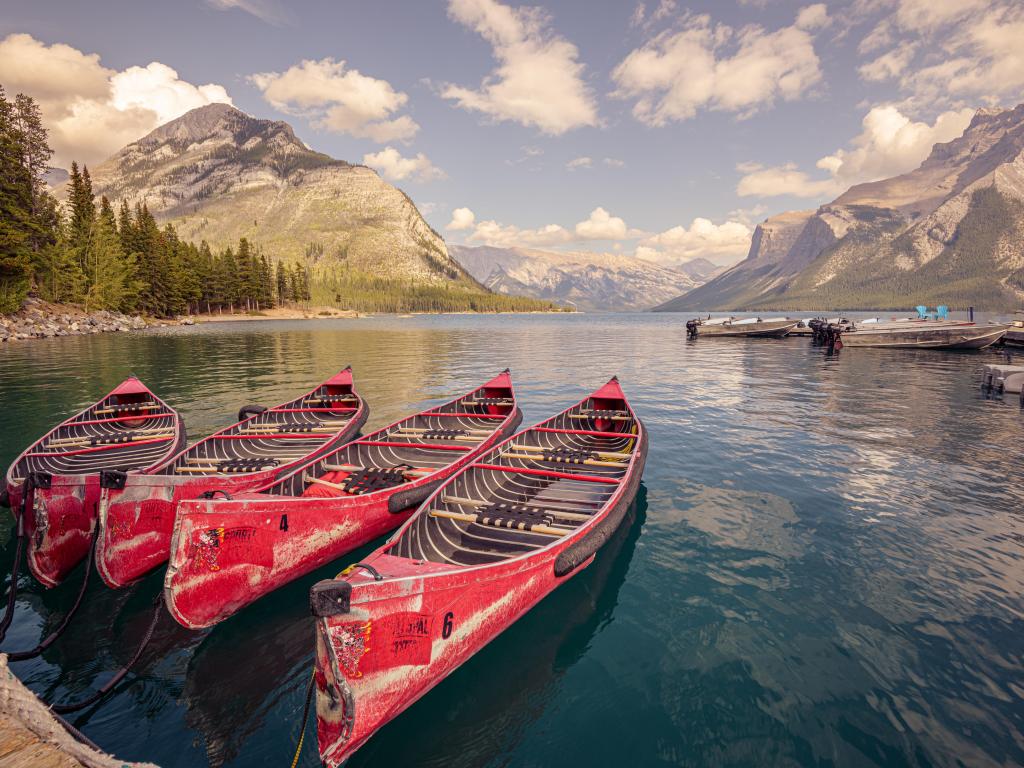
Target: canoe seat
[(443, 434), (567, 455), (246, 465), (359, 481)]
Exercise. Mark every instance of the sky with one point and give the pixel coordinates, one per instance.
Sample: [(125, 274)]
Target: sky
[(664, 130)]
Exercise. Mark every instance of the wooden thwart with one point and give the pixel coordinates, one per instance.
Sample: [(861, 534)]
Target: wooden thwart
[(129, 407), (591, 417), (482, 520)]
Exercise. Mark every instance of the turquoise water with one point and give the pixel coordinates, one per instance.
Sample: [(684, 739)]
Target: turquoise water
[(824, 567)]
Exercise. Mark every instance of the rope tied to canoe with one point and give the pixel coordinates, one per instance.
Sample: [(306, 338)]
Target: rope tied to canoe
[(53, 636), (305, 718), (64, 709), (28, 498)]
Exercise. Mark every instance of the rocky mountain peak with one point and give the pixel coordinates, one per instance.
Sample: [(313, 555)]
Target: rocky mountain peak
[(218, 121), (218, 174)]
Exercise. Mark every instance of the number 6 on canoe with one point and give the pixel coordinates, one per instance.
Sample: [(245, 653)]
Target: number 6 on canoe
[(486, 547)]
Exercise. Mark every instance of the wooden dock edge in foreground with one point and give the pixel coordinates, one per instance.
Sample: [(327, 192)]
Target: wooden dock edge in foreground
[(31, 736)]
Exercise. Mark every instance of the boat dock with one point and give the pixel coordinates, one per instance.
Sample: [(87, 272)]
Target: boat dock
[(31, 737)]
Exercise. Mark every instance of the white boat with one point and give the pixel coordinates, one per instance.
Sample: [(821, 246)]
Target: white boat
[(922, 334), (775, 327)]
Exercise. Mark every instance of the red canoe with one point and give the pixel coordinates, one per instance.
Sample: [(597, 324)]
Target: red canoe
[(128, 430), (136, 512), (479, 553), (227, 553)]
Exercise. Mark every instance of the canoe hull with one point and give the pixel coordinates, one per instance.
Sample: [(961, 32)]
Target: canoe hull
[(59, 525), (399, 636), (409, 653), (953, 338), (136, 522)]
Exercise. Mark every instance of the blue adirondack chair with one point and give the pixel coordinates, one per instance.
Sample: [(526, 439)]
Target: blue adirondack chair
[(942, 312), (922, 312)]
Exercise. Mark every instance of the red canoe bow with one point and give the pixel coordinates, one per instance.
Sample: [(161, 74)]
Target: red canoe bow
[(482, 550), (129, 430)]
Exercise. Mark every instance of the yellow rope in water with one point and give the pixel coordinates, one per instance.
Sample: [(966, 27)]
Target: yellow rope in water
[(305, 719)]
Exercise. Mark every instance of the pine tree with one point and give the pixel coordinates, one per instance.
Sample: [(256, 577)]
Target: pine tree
[(111, 279), (83, 212), (282, 283), (16, 223)]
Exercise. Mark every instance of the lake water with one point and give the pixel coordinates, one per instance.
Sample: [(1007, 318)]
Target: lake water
[(825, 565)]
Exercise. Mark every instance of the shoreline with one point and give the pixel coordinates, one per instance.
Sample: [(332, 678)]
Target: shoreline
[(38, 319)]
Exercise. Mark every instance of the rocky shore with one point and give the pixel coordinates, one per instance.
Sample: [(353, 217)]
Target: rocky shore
[(39, 319)]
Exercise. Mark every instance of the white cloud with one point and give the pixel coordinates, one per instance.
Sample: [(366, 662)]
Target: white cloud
[(944, 52), (890, 64), (462, 218), (339, 100), (932, 14), (89, 110), (784, 180), (813, 17), (510, 236), (601, 225), (889, 144), (880, 36), (393, 166), (705, 66), (538, 81), (612, 162), (267, 10), (579, 162), (720, 243)]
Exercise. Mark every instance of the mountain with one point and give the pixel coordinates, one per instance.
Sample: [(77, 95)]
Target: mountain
[(949, 232), (700, 269), (604, 281), (218, 174)]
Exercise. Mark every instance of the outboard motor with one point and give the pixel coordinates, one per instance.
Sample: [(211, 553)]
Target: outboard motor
[(691, 328), (817, 326)]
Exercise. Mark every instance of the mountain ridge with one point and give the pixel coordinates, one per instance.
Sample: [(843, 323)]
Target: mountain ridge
[(586, 280), (949, 231)]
